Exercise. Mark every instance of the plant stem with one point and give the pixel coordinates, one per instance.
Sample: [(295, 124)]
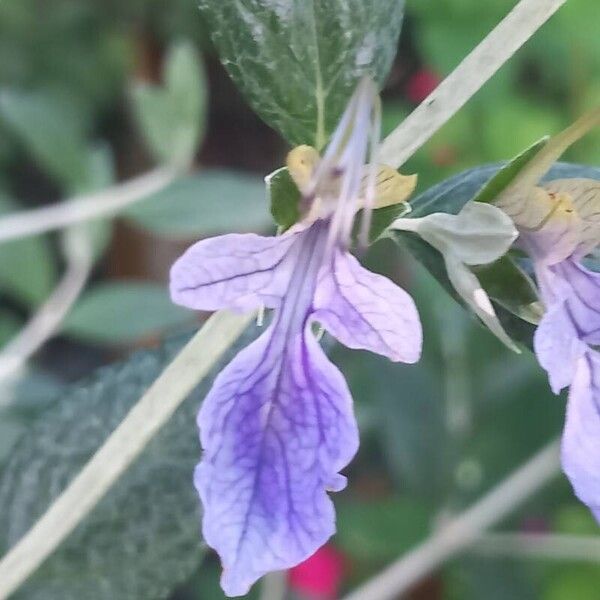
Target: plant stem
[(87, 207), (48, 317), (475, 70), (540, 546)]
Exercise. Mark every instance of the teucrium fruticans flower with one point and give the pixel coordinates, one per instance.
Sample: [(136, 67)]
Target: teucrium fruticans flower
[(278, 426), (559, 223)]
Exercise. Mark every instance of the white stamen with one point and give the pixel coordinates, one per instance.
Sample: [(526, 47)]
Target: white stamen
[(260, 316)]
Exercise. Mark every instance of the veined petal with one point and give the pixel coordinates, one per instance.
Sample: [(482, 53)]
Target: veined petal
[(583, 303), (585, 197), (572, 320), (276, 429), (581, 437), (368, 311), (239, 271), (468, 287), (557, 346)]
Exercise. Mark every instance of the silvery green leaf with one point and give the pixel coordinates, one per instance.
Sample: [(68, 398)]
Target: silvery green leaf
[(143, 538), (50, 132), (298, 61), (123, 312), (172, 116), (209, 202)]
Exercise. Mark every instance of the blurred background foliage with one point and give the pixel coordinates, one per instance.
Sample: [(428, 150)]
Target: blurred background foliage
[(85, 102)]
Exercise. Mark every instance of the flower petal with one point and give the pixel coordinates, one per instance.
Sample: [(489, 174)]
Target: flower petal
[(581, 438), (276, 429), (239, 271), (572, 320), (585, 197), (365, 310), (584, 299), (550, 227), (470, 290), (557, 346)]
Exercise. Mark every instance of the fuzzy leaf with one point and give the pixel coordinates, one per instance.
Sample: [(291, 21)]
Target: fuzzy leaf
[(143, 538), (211, 202), (44, 124), (121, 312), (298, 61)]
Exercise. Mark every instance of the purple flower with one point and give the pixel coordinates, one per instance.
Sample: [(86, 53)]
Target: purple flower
[(568, 335), (559, 224), (566, 343), (278, 426)]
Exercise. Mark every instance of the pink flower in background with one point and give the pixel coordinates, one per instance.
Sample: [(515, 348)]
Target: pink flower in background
[(421, 84), (320, 576)]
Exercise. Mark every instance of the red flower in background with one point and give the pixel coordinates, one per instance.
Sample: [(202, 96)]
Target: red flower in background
[(320, 576), (421, 84)]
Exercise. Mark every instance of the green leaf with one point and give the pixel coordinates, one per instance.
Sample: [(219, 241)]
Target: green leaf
[(507, 173), (212, 201), (409, 418), (143, 538), (507, 284), (453, 193), (284, 198), (27, 268), (44, 123), (382, 218), (22, 400), (47, 125), (172, 116), (450, 196), (297, 62), (118, 313)]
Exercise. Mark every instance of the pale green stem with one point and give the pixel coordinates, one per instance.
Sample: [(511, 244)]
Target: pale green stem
[(87, 207), (48, 317), (506, 38), (540, 546)]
